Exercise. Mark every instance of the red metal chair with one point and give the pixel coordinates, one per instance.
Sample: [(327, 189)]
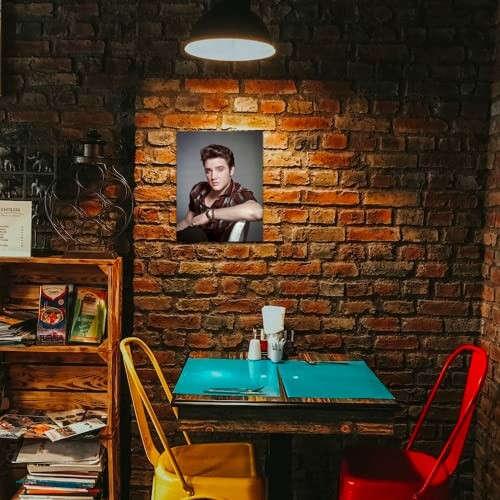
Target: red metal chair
[(378, 473)]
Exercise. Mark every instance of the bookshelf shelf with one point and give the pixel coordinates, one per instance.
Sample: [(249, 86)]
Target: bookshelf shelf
[(66, 376)]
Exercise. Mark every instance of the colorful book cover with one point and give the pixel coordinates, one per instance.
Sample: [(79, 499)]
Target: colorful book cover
[(89, 316), (52, 315)]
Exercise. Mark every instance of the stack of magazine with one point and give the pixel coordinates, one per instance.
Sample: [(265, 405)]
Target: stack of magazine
[(17, 327), (62, 470)]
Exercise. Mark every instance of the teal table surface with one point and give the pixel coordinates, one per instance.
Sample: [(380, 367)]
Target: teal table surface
[(353, 380), (201, 375)]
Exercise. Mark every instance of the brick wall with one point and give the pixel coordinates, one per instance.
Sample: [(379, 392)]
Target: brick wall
[(375, 126), (487, 451), (371, 231)]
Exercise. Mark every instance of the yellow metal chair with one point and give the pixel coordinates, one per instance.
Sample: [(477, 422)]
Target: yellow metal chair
[(218, 471)]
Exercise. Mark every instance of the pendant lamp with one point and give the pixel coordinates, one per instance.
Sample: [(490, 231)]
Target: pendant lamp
[(230, 31)]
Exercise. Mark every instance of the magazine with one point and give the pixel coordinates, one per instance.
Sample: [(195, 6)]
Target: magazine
[(75, 429), (81, 451), (66, 417), (29, 425), (89, 316)]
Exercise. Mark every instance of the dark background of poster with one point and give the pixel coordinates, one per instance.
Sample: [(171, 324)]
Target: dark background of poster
[(247, 150)]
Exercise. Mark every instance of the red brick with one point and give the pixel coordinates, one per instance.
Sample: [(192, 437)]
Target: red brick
[(328, 105), (430, 270), (237, 305), (363, 124), (357, 307), (396, 342), (320, 178), (183, 322), (273, 158), (379, 216), (323, 87), (386, 288), (270, 87), (146, 285), (149, 303), (147, 120), (349, 217), (315, 306), (443, 308), (331, 197), (391, 160), (306, 123), (324, 341), (334, 141), (163, 267), (272, 106), (275, 140), (191, 121), (419, 126), (340, 269), (295, 268), (451, 290), (294, 215), (192, 304), (148, 232), (247, 268), (326, 159), (373, 234), (381, 324), (205, 286), (322, 215), (296, 177), (281, 196), (154, 193), (426, 325), (391, 199), (215, 103), (237, 252), (326, 234), (195, 267), (212, 86), (301, 287), (200, 340), (232, 285), (248, 122), (411, 252)]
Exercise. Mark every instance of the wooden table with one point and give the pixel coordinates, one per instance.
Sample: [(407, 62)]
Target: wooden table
[(280, 415)]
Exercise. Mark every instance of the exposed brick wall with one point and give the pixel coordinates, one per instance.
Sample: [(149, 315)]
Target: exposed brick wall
[(67, 68), (487, 452), (371, 231), (375, 133)]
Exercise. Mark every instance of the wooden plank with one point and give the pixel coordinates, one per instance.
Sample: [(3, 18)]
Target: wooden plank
[(288, 427), (45, 357), (56, 401), (63, 377), (41, 274)]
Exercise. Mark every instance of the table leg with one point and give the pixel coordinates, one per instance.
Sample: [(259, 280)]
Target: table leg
[(279, 468)]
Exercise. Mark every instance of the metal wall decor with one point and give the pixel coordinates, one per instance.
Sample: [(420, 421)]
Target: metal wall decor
[(90, 204), (26, 173)]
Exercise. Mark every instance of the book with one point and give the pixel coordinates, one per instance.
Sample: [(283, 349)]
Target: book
[(60, 482), (52, 314), (89, 315), (78, 451), (72, 430)]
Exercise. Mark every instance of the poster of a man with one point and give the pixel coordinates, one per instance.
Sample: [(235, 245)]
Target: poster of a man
[(219, 186)]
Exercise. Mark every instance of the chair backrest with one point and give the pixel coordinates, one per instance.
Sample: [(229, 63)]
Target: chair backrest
[(452, 449), (144, 409), (239, 231)]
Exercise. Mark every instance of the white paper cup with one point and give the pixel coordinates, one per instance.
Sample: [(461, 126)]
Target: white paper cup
[(254, 353)]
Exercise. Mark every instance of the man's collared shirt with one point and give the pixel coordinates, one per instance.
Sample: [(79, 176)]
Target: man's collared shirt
[(235, 194)]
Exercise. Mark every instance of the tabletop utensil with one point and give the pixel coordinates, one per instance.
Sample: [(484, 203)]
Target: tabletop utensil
[(233, 390)]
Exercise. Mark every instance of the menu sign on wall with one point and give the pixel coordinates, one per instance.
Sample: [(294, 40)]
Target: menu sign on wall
[(15, 228)]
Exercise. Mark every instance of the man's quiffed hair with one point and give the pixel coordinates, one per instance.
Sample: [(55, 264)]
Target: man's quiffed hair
[(217, 151)]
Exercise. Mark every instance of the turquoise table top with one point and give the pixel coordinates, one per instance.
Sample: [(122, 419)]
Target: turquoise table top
[(353, 380), (219, 376)]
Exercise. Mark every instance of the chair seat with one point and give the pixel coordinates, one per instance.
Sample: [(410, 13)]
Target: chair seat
[(389, 473), (217, 470), (215, 460)]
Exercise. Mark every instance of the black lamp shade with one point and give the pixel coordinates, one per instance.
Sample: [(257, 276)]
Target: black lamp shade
[(230, 31)]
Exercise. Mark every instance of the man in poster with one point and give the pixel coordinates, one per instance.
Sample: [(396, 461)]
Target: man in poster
[(215, 205)]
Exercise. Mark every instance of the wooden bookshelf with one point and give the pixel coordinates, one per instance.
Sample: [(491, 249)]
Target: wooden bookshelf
[(67, 376)]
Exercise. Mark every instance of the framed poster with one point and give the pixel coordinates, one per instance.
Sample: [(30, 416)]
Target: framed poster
[(219, 186), (15, 228)]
